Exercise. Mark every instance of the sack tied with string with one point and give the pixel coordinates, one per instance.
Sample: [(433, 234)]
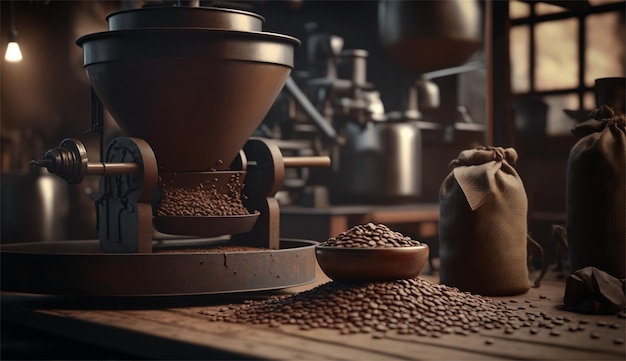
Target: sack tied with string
[(596, 194), (483, 226)]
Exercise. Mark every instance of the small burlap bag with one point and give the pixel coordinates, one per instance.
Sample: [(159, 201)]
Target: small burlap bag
[(596, 194), (483, 225)]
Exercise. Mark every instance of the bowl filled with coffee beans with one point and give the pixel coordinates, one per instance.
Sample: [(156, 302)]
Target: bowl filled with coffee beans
[(371, 253)]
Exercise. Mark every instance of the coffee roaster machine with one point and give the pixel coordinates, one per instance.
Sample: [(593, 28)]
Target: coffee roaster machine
[(377, 155), (188, 85)]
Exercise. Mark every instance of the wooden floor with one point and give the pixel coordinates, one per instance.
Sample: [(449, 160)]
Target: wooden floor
[(174, 328)]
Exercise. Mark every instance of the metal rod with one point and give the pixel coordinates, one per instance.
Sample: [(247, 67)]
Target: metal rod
[(12, 18), (310, 109), (294, 162), (111, 168), (476, 65)]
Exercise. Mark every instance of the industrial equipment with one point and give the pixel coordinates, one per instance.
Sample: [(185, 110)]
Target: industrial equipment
[(377, 155), (186, 201)]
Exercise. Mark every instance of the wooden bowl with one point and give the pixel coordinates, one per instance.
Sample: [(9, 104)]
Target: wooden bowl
[(352, 264)]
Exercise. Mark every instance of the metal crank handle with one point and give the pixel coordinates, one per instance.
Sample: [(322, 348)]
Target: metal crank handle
[(69, 161)]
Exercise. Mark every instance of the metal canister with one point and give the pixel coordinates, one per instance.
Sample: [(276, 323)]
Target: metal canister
[(380, 162), (35, 207)]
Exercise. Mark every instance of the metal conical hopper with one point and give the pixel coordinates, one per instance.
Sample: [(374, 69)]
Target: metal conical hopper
[(194, 94)]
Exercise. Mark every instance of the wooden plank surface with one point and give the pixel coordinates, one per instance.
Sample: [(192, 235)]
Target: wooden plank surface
[(162, 328)]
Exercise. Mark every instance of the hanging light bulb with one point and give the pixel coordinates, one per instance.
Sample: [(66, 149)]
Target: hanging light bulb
[(13, 54)]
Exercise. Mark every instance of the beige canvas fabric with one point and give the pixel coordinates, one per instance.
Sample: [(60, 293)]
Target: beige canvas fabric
[(483, 224), (596, 194)]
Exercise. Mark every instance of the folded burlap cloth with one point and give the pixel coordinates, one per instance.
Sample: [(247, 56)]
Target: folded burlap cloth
[(590, 290), (483, 227)]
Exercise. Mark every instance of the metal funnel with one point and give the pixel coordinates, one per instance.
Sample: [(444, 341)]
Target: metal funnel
[(194, 94)]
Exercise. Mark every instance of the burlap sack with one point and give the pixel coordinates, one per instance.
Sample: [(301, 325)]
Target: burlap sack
[(596, 194), (482, 225)]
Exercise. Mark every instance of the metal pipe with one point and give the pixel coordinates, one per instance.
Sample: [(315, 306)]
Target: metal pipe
[(310, 109), (102, 168), (294, 162)]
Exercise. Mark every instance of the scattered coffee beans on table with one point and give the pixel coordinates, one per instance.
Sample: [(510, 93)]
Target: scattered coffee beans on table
[(410, 306), (404, 307), (370, 235)]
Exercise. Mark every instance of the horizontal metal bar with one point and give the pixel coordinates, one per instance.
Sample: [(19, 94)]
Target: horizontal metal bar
[(319, 161), (111, 168)]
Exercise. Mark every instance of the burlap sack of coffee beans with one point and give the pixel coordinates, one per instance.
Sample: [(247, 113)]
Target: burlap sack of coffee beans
[(596, 194), (483, 226)]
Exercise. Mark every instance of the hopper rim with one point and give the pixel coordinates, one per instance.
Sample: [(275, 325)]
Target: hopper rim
[(213, 31), (183, 8)]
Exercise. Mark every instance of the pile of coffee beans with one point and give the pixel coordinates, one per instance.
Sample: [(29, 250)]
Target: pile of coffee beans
[(409, 306), (412, 306), (370, 235), (203, 201)]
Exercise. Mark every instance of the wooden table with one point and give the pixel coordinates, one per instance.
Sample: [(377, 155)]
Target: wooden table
[(417, 220), (173, 328)]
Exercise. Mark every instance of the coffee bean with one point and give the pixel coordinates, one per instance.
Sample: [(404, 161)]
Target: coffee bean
[(408, 306), (404, 307), (370, 235), (203, 200)]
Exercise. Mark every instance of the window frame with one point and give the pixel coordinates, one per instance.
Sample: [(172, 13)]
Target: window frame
[(569, 13)]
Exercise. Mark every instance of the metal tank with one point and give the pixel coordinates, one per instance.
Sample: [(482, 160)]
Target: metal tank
[(379, 163)]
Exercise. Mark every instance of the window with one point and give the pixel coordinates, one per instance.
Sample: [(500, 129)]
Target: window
[(557, 52)]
